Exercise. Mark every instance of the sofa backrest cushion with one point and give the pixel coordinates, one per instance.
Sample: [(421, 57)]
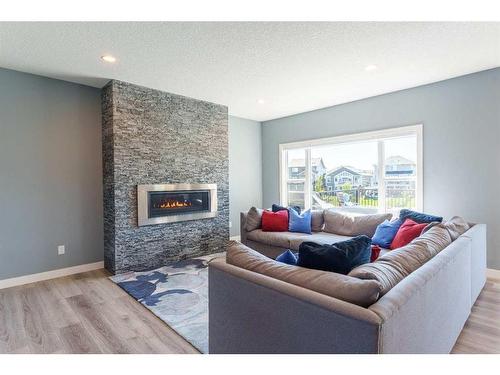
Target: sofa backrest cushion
[(254, 219), (346, 288), (395, 265), (338, 223), (317, 220), (456, 226)]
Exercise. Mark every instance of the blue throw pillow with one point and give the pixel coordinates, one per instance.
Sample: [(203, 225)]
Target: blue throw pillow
[(418, 217), (341, 257), (287, 257), (299, 222), (385, 233)]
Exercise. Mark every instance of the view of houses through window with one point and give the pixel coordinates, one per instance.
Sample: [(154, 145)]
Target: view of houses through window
[(377, 174)]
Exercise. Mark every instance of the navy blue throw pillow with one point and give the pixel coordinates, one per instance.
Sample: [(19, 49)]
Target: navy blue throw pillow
[(287, 257), (340, 257), (277, 207), (418, 217)]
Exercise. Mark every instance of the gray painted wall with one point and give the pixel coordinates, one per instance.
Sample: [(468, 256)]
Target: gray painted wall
[(50, 154), (245, 168), (461, 119), (50, 174)]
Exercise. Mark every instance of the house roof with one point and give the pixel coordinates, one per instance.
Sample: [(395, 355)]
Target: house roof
[(346, 168), (398, 159)]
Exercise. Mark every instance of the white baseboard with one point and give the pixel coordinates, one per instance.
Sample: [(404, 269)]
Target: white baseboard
[(235, 238), (21, 280)]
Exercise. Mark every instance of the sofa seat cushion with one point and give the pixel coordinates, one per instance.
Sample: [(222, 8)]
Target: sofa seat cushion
[(349, 289), (321, 238), (280, 239), (346, 225), (392, 267)]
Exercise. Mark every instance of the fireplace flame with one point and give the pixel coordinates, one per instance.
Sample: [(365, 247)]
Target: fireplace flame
[(171, 203)]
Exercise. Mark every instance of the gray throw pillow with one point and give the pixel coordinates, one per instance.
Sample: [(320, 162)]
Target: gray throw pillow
[(254, 219)]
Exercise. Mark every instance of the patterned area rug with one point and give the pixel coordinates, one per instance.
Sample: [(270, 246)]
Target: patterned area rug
[(177, 294)]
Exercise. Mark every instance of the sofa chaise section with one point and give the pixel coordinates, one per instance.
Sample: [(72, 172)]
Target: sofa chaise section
[(253, 313), (424, 313)]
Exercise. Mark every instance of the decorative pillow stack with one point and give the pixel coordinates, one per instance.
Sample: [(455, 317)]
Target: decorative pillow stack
[(282, 219), (407, 233), (385, 233), (398, 233), (277, 207)]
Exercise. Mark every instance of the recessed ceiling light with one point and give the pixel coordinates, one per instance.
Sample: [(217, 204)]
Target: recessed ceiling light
[(108, 58), (261, 101), (370, 68)]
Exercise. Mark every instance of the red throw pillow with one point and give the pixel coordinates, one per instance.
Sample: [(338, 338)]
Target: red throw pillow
[(375, 253), (275, 221), (407, 233)]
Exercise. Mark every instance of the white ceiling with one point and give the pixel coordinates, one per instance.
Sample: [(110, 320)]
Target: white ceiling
[(292, 67)]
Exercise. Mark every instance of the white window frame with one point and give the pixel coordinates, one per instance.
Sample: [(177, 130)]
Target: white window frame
[(415, 130)]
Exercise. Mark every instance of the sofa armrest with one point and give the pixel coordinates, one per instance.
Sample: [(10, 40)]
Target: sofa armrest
[(243, 229), (477, 234), (254, 313), (426, 311)]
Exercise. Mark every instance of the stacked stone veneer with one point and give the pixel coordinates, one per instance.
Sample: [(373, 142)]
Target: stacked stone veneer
[(154, 137)]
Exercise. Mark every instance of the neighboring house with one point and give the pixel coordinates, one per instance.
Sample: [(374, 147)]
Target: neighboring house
[(297, 168), (296, 178), (348, 175), (400, 173)]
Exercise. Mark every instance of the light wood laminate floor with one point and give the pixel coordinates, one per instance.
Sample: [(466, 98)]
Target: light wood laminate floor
[(83, 313), (87, 313)]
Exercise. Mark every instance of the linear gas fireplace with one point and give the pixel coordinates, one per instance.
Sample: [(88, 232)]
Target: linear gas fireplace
[(169, 203)]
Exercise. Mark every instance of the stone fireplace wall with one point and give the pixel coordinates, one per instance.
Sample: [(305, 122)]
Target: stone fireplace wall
[(154, 137)]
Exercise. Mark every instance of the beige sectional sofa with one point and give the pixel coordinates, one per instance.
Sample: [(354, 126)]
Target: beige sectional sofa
[(412, 300)]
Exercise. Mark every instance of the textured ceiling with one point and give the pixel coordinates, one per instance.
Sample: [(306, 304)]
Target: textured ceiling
[(290, 67)]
